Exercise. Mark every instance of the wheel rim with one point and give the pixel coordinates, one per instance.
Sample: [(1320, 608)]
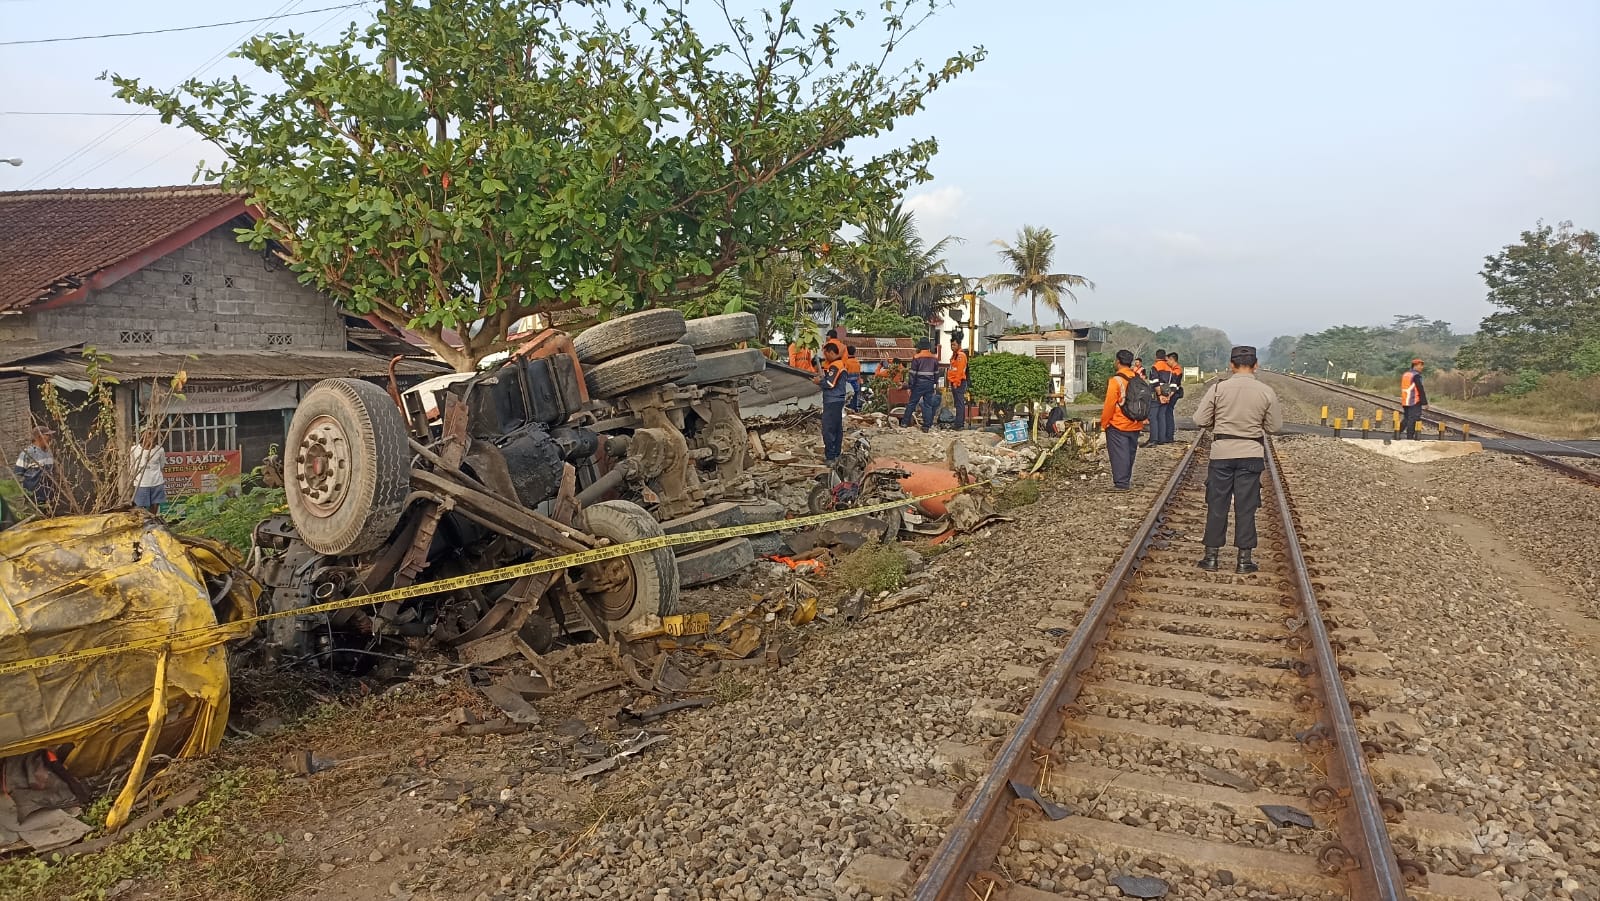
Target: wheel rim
[(611, 586), (322, 467)]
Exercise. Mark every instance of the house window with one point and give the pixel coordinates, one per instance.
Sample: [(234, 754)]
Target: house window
[(279, 339), (137, 336), (1054, 356), (201, 431)]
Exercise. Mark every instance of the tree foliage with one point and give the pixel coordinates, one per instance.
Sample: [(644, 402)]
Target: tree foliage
[(1368, 349), (1008, 379), (1546, 291), (889, 266), (1197, 346), (1030, 260), (883, 322), (1101, 367), (536, 155)]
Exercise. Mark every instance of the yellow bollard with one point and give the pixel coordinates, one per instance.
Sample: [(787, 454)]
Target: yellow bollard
[(1366, 426), (1377, 416), (1397, 423), (1441, 431), (1350, 414), (1324, 414), (1337, 425), (1466, 431)]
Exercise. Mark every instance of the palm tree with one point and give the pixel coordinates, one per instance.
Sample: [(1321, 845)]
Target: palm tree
[(890, 265), (1030, 261)]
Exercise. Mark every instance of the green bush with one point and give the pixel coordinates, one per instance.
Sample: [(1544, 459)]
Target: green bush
[(874, 567), (1527, 382), (1101, 367), (1008, 379), (230, 513), (883, 323)]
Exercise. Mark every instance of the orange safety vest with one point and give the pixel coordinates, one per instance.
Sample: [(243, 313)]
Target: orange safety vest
[(852, 365), (800, 358), (1409, 397), (957, 374)]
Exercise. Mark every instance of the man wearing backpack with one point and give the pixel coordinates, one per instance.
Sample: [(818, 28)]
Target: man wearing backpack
[(1128, 402), (1241, 412)]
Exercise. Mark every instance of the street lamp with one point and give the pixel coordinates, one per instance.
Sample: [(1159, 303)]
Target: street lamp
[(15, 161)]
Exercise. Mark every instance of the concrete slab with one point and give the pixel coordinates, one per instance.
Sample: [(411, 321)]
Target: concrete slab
[(1417, 451)]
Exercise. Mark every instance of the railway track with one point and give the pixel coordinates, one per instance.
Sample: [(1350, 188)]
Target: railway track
[(1462, 425), (1198, 729)]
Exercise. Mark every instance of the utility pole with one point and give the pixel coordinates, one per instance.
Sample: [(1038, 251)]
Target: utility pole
[(391, 66)]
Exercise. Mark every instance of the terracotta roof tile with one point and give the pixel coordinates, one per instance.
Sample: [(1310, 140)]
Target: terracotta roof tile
[(50, 241)]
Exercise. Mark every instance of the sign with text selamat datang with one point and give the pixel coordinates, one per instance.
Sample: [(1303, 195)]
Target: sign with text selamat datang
[(199, 472)]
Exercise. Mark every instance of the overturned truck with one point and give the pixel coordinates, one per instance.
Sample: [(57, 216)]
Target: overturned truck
[(628, 431)]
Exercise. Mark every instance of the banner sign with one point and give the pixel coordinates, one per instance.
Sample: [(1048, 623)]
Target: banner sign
[(228, 397), (200, 472)]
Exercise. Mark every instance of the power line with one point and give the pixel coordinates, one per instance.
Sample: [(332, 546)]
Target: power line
[(130, 34), (29, 112)]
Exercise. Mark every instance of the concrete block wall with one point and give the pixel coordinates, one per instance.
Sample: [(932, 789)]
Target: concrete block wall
[(233, 300)]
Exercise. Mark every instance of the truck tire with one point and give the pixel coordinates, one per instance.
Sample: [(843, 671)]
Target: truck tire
[(627, 334), (713, 332), (651, 585), (725, 366), (347, 473), (715, 563), (641, 369)]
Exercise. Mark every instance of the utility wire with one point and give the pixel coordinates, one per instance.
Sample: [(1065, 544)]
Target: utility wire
[(28, 112), (130, 34)]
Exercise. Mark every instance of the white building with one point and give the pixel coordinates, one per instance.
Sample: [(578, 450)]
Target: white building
[(1066, 350)]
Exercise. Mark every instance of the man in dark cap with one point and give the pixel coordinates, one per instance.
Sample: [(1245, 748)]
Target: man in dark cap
[(1241, 412), (1413, 399)]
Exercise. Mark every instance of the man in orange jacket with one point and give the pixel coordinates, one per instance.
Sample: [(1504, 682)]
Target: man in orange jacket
[(956, 378), (1128, 401), (1413, 400), (800, 358)]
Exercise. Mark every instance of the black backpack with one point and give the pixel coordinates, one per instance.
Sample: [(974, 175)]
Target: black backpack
[(1137, 399)]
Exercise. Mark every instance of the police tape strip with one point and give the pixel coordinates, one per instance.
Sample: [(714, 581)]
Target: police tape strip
[(206, 636)]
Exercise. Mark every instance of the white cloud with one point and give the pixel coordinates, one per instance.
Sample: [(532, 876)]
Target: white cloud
[(937, 210), (1536, 89)]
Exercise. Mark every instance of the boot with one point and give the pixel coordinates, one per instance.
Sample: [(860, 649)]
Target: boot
[(1209, 562), (1246, 565)]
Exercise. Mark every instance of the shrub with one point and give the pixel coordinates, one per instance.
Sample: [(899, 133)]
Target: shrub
[(1008, 379), (230, 513), (1527, 382), (874, 567)]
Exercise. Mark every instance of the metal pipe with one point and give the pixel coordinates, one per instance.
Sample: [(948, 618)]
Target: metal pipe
[(1361, 819), (986, 819), (600, 486)]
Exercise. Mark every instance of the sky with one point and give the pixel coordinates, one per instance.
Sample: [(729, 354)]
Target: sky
[(1263, 167)]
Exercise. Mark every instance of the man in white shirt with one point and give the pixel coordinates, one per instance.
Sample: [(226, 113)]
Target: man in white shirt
[(35, 469), (149, 478)]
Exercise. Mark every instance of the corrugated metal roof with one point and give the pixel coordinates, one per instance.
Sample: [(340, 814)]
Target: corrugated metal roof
[(14, 351), (225, 366), (53, 241)]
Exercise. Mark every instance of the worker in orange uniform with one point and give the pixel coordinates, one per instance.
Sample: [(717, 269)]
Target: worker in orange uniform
[(852, 377), (800, 358), (956, 378), (832, 380), (924, 384), (833, 338), (1162, 426), (1413, 400), (1128, 401)]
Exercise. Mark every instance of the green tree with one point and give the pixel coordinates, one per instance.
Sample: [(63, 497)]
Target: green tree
[(1008, 379), (882, 322), (1101, 367), (1121, 335), (1030, 259), (1546, 289), (889, 265), (535, 155)]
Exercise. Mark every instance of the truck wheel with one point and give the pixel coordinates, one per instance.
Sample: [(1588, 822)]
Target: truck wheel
[(725, 366), (626, 334), (629, 588), (641, 369), (712, 332), (347, 473)]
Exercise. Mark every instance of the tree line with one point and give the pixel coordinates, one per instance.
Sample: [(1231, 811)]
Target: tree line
[(1367, 349)]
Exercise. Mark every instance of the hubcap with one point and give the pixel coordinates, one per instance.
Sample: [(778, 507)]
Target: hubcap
[(322, 467)]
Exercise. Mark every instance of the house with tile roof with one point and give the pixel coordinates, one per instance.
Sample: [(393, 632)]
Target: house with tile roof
[(153, 280)]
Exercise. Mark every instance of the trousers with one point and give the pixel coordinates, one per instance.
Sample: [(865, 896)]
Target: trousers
[(1410, 418), (1235, 483), (924, 393), (832, 429), (1121, 446), (1163, 428), (959, 394)]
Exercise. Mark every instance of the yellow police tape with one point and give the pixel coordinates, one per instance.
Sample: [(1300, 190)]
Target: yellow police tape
[(191, 639)]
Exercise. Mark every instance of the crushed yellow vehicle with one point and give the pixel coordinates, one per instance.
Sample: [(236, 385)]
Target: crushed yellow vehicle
[(79, 582)]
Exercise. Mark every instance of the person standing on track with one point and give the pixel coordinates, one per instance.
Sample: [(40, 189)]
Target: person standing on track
[(956, 378), (832, 380), (1128, 402), (852, 377), (1162, 426), (1241, 412), (1413, 400)]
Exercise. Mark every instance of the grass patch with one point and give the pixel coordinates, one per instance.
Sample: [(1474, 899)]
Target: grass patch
[(197, 852), (729, 689), (873, 567), (1017, 494)]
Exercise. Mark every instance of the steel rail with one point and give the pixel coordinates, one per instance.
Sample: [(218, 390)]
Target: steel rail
[(977, 834), (1374, 870), (1456, 420), (974, 840)]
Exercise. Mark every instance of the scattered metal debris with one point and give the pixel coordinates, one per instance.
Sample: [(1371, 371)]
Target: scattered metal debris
[(636, 718), (1224, 778), (642, 741), (1051, 809), (1141, 886), (1284, 815)]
